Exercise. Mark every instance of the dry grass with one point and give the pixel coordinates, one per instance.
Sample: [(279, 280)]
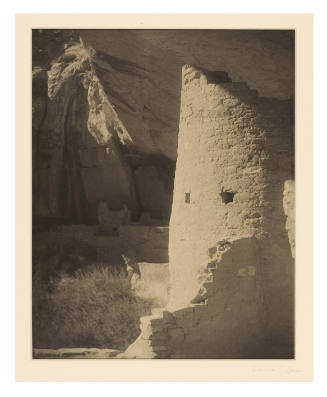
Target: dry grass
[(92, 308)]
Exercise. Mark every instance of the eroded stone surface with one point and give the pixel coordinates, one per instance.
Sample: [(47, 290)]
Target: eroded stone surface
[(81, 148)]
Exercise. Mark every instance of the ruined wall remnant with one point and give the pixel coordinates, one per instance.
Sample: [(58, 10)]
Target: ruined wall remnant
[(231, 265)]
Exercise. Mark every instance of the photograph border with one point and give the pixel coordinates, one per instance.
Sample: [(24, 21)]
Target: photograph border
[(299, 369)]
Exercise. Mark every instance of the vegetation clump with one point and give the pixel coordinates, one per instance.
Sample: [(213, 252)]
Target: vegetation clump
[(93, 307)]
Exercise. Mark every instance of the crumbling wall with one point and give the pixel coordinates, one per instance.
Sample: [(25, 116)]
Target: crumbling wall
[(231, 266)]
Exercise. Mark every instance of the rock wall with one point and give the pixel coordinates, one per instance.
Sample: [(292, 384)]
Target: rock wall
[(140, 72), (76, 149), (82, 153)]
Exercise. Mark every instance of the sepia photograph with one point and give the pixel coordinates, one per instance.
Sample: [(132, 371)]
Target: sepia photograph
[(163, 193)]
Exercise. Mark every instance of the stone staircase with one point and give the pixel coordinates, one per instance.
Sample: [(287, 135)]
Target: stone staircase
[(156, 331)]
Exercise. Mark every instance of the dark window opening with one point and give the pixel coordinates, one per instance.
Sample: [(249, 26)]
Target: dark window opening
[(187, 198), (227, 197), (115, 231)]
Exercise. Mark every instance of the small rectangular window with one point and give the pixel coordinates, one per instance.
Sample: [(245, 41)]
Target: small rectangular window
[(227, 196), (187, 198)]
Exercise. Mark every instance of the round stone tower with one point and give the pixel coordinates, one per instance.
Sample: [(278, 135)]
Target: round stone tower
[(231, 238), (228, 240)]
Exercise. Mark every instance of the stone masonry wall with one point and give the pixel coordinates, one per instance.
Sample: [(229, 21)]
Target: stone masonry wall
[(231, 265), (234, 143), (236, 150)]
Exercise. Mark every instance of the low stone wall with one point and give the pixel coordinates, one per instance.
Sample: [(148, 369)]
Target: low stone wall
[(75, 353), (143, 243)]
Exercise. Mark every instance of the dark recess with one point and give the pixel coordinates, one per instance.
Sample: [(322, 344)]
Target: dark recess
[(227, 196)]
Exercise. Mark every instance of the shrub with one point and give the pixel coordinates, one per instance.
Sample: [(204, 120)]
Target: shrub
[(95, 307)]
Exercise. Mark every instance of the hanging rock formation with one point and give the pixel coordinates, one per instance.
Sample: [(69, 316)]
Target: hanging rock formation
[(83, 154), (77, 160)]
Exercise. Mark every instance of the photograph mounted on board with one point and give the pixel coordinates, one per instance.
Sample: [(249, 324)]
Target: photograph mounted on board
[(163, 191)]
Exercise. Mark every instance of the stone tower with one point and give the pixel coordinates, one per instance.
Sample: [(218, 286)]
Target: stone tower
[(231, 229), (228, 223)]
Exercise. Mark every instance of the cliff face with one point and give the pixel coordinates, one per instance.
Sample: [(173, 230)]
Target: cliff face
[(76, 150), (82, 152), (106, 111), (141, 72)]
